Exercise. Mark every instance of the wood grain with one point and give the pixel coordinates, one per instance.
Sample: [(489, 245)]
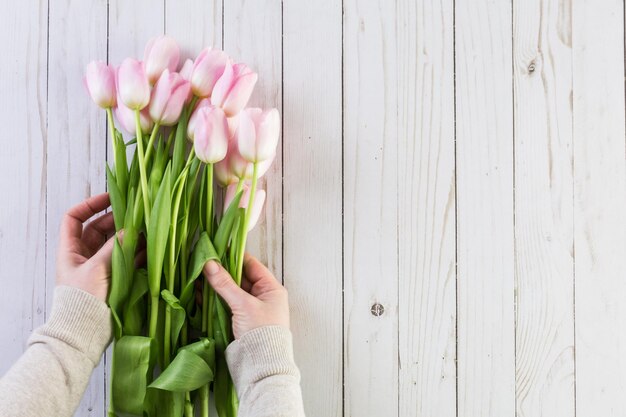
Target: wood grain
[(370, 209), (312, 216), (484, 160), (253, 34), (23, 115), (543, 209), (600, 200), (426, 209)]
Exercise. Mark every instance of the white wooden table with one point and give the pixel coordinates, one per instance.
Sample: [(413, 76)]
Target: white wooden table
[(447, 208)]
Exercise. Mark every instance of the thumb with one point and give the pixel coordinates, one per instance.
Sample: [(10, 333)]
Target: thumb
[(223, 284), (106, 251)]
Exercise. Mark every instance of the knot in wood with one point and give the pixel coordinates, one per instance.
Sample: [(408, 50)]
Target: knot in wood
[(377, 309), (532, 67)]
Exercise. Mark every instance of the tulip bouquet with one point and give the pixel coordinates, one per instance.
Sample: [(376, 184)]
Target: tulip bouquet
[(188, 130)]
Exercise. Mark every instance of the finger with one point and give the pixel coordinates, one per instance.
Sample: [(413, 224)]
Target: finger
[(97, 231), (224, 284), (246, 285), (72, 223), (103, 256), (257, 274)]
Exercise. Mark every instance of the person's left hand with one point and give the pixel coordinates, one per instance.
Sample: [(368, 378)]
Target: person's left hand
[(84, 253)]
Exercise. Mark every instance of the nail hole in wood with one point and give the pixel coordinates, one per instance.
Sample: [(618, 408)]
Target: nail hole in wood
[(377, 309)]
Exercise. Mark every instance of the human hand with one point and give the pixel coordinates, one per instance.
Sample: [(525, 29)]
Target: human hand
[(261, 300), (84, 253)]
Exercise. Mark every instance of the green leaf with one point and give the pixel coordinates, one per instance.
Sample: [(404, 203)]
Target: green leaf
[(121, 165), (118, 200), (135, 312), (119, 287), (178, 158), (160, 403), (158, 231), (226, 224), (133, 359), (178, 315), (187, 372), (202, 252), (205, 348)]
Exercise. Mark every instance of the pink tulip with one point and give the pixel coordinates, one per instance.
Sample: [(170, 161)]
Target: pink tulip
[(257, 134), (186, 69), (191, 124), (257, 204), (168, 97), (100, 82), (222, 172), (234, 88), (132, 84), (211, 135), (126, 118), (207, 69), (161, 53)]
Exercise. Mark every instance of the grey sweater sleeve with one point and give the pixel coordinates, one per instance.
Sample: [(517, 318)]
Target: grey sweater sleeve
[(266, 377), (52, 374)]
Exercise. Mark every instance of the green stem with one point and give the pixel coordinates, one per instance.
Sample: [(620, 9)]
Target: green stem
[(112, 130), (150, 146), (204, 401), (154, 316), (167, 336), (142, 170), (246, 221), (209, 199), (205, 306)]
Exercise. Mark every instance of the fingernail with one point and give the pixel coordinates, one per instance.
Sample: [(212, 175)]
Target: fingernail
[(212, 267)]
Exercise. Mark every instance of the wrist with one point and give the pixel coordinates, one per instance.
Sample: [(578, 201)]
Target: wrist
[(80, 320), (260, 353)]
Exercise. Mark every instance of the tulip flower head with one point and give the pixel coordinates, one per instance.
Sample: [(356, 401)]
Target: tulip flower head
[(257, 204), (257, 134), (126, 118), (132, 84), (207, 69), (234, 88), (191, 124), (161, 53), (211, 135), (186, 69), (100, 82), (223, 174), (168, 97)]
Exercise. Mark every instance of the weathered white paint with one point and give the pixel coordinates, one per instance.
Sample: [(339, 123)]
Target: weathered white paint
[(460, 163)]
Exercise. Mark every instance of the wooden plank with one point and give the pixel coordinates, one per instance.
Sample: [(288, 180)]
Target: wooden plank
[(76, 136), (600, 198), (195, 24), (23, 114), (312, 166), (252, 34), (543, 209), (485, 252), (427, 212), (370, 209)]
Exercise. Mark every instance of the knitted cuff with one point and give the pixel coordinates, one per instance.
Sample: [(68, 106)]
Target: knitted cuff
[(260, 353), (80, 320)]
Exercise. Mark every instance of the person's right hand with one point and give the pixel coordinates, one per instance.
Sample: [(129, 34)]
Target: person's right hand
[(261, 300)]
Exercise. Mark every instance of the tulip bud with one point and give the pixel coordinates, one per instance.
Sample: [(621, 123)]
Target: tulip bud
[(168, 97), (234, 88), (191, 124), (211, 135), (132, 84), (257, 134), (100, 82), (126, 119), (207, 69), (161, 53), (257, 204)]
